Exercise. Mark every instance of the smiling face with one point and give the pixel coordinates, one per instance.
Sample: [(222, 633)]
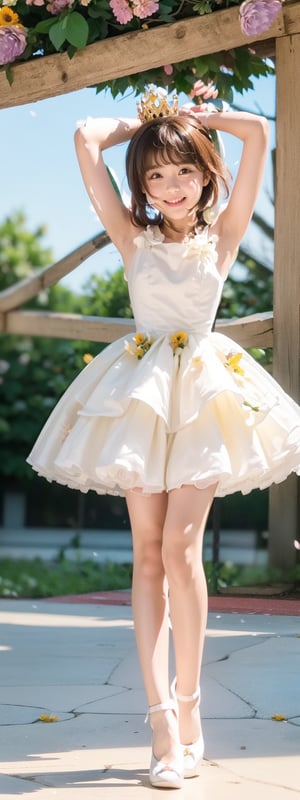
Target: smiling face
[(174, 189), (171, 164)]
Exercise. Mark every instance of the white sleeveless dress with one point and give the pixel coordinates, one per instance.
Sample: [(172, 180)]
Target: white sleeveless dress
[(178, 405)]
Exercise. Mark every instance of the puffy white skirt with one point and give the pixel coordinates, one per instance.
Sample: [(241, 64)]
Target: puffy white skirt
[(203, 413)]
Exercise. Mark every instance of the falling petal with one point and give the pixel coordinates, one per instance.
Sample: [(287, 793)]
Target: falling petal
[(296, 544)]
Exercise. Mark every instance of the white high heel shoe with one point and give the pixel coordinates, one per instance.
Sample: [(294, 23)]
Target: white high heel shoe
[(192, 753), (161, 774)]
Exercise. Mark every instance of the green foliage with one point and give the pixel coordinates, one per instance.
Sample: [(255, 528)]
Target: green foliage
[(107, 296), (22, 578), (226, 575), (34, 372), (72, 28), (228, 70), (37, 578), (247, 296), (21, 250), (203, 7)]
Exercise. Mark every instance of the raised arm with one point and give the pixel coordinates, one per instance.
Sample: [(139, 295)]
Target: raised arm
[(253, 131), (91, 138)]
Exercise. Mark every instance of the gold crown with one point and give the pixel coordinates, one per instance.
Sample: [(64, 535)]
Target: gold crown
[(154, 103)]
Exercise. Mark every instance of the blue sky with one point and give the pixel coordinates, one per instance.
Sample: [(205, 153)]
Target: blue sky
[(39, 172)]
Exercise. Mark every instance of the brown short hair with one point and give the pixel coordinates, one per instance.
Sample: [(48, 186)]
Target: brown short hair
[(177, 140)]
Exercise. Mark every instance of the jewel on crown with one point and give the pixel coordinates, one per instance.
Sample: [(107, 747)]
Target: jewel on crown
[(154, 103)]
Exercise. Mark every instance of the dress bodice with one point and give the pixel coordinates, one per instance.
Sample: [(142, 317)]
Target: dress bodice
[(174, 285)]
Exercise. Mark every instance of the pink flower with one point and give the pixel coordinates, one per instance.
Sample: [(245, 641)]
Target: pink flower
[(144, 8), (12, 42), (56, 6), (168, 69), (121, 10), (257, 16), (35, 2)]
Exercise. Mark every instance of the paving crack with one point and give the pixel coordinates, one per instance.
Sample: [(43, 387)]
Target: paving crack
[(122, 689), (238, 696), (259, 782), (227, 656)]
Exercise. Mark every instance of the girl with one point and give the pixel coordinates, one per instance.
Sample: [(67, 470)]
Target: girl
[(177, 414)]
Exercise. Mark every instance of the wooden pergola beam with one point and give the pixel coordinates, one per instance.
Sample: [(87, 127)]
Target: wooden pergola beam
[(24, 290), (253, 331), (284, 515), (128, 53)]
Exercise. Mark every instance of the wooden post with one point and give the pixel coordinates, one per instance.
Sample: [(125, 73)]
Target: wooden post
[(284, 498)]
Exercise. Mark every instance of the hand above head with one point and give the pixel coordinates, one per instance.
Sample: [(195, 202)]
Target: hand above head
[(202, 91)]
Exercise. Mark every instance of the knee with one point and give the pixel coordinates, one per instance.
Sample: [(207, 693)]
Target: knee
[(148, 558), (181, 562)]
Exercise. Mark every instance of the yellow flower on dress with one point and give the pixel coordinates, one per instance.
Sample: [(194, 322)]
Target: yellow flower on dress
[(49, 718), (141, 343), (179, 339), (233, 363), (87, 358), (278, 717), (8, 17), (139, 339)]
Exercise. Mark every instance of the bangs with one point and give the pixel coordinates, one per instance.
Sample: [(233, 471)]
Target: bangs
[(166, 145)]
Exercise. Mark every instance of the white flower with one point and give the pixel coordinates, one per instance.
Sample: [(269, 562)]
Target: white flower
[(210, 214), (202, 245)]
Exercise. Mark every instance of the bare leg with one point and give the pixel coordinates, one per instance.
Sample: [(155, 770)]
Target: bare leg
[(150, 612), (184, 527)]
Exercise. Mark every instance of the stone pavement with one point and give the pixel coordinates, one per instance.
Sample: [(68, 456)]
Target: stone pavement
[(77, 662)]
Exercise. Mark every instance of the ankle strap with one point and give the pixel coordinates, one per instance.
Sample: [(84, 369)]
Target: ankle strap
[(184, 698), (187, 698), (168, 705)]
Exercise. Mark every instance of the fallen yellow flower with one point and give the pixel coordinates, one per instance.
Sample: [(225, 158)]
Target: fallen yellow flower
[(87, 358), (49, 718), (279, 717)]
